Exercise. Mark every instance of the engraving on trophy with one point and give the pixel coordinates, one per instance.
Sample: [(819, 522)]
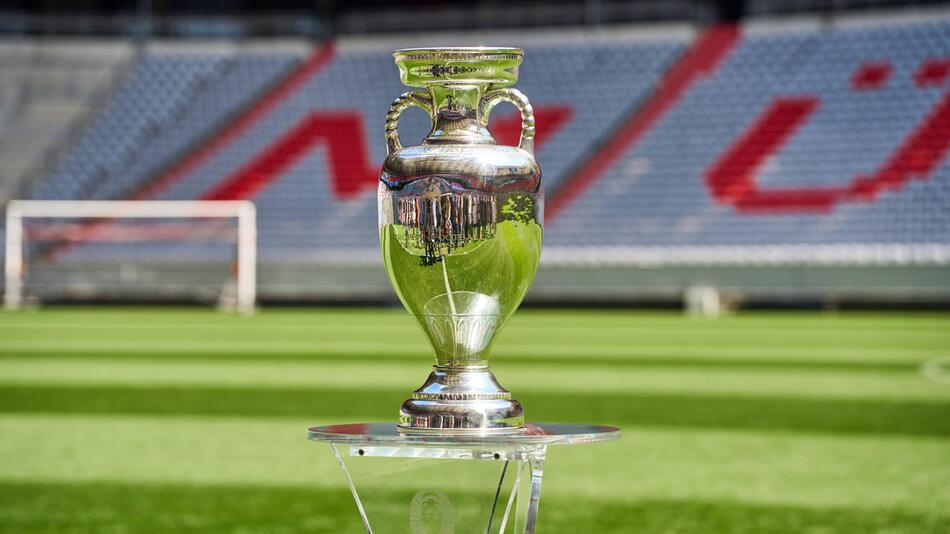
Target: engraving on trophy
[(431, 512), (443, 70), (460, 230)]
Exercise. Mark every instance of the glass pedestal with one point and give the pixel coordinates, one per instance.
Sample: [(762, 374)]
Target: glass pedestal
[(430, 482)]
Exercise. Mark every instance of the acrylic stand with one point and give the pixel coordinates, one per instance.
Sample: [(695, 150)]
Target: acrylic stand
[(433, 482)]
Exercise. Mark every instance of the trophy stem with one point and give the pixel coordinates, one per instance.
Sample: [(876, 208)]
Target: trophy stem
[(459, 399)]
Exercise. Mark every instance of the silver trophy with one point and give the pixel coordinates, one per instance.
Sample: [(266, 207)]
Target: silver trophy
[(460, 221)]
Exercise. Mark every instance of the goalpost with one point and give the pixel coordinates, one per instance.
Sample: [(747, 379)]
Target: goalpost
[(105, 214)]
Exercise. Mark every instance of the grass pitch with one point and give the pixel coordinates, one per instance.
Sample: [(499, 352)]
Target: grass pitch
[(134, 420)]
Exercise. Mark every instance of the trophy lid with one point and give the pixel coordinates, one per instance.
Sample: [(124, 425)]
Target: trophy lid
[(421, 67)]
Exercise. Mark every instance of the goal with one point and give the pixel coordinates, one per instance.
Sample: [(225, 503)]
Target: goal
[(111, 249)]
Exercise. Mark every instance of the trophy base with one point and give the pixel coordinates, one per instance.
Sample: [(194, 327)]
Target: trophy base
[(461, 400)]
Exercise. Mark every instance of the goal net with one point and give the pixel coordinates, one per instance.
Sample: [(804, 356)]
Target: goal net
[(131, 250)]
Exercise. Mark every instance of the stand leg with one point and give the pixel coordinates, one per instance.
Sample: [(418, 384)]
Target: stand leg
[(349, 482), (519, 470), (534, 464)]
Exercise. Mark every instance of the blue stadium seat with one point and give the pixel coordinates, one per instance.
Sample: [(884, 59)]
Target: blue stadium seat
[(656, 195)]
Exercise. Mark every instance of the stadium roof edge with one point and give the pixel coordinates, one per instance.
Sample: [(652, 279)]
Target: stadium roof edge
[(226, 47), (523, 37), (859, 254), (775, 25), (914, 15), (797, 23), (97, 46), (847, 255), (293, 45), (192, 46), (71, 46)]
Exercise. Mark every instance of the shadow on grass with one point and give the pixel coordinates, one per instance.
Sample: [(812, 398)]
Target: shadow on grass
[(581, 359)]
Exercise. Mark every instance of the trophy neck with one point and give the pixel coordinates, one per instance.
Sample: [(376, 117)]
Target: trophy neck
[(456, 115), (457, 78)]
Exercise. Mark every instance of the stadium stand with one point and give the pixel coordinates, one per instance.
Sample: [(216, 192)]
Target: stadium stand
[(660, 146)]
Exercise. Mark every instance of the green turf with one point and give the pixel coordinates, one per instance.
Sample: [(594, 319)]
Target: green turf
[(135, 420), (169, 508)]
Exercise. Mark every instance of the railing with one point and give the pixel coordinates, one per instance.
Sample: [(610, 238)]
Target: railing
[(312, 25), (484, 17), (782, 7)]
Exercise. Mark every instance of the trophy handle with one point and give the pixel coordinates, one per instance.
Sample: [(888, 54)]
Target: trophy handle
[(404, 102), (494, 97)]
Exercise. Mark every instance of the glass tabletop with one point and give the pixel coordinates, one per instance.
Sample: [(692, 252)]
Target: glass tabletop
[(389, 434)]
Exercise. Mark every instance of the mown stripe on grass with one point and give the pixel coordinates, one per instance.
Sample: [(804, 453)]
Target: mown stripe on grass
[(723, 333), (565, 342), (578, 344), (711, 357), (32, 507), (610, 329), (559, 317), (601, 379), (670, 410)]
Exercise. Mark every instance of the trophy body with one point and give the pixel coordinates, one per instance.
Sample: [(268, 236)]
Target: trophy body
[(460, 221)]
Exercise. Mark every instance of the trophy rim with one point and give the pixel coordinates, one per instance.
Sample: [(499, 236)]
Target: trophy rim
[(472, 53)]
